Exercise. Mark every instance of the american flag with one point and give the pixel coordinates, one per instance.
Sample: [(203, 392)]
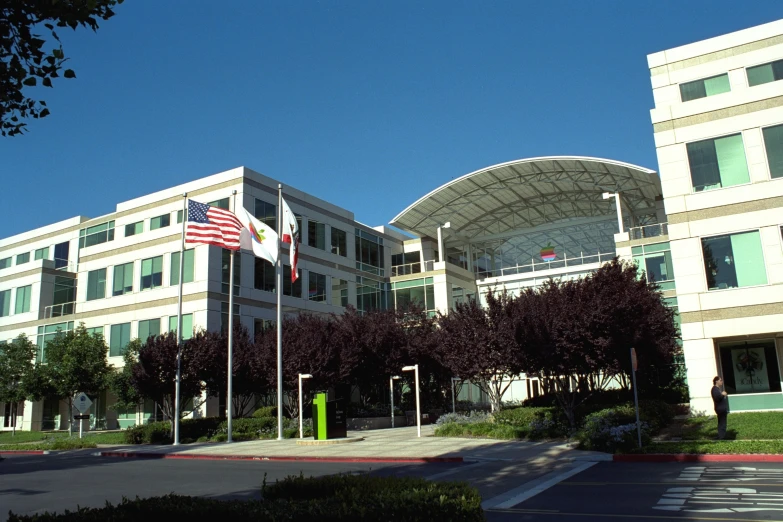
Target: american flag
[(212, 226)]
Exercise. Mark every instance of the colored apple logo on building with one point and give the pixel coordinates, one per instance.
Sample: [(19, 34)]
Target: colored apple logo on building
[(548, 253)]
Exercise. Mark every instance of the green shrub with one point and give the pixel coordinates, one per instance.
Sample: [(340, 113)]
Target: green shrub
[(327, 499), (152, 433), (266, 411), (195, 428), (538, 423), (612, 429), (656, 413), (67, 443)]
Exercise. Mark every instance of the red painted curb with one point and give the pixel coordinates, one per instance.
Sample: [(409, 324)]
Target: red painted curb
[(141, 455), (21, 452), (689, 457)]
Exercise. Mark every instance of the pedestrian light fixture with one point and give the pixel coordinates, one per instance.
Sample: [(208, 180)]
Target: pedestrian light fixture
[(391, 391), (415, 370), (302, 376)]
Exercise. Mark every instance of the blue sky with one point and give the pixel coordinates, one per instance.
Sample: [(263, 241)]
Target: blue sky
[(368, 105)]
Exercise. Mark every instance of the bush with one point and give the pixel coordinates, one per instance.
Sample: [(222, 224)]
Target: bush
[(541, 422), (326, 499), (266, 411), (612, 429), (67, 443), (152, 433), (460, 418), (468, 406), (656, 413)]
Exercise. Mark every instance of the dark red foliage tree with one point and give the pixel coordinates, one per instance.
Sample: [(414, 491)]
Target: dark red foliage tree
[(479, 344), (153, 375)]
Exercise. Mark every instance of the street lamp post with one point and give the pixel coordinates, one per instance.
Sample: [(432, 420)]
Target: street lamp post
[(415, 369), (441, 254), (616, 195), (301, 377), (391, 391), (454, 394)]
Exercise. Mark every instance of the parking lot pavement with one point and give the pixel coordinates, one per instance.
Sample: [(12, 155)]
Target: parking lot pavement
[(746, 492)]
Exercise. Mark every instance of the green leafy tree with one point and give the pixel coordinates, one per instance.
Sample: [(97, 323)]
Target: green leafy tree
[(75, 362), (25, 59), (121, 379), (19, 375)]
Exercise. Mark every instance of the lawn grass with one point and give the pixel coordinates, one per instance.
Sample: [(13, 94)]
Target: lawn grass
[(741, 426), (27, 438), (715, 447)]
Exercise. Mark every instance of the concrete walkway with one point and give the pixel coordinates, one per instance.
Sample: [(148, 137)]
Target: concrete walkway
[(397, 443)]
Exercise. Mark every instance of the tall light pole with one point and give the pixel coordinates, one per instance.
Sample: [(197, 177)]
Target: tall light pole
[(301, 377), (608, 195), (454, 394), (441, 253), (415, 369), (391, 391)]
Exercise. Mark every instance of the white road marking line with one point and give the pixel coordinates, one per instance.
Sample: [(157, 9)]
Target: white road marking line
[(532, 488)]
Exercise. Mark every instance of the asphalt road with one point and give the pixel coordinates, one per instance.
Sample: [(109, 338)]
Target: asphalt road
[(623, 491), (541, 490)]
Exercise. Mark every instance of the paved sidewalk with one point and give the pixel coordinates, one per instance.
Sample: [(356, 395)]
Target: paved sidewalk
[(397, 443)]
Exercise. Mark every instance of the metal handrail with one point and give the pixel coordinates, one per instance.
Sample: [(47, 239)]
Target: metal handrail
[(548, 265), (412, 268), (59, 310), (654, 230)]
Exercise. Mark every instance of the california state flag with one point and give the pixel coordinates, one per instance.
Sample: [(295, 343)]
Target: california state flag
[(290, 234), (258, 238)]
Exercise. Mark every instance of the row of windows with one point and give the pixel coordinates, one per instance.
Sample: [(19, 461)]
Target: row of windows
[(264, 279), (721, 162), (151, 276), (757, 75), (119, 334), (24, 257), (22, 302)]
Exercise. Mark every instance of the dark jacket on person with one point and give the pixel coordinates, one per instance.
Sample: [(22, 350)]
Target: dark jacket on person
[(721, 403)]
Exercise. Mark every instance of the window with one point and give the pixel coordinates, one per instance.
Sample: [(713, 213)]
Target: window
[(42, 253), (750, 366), (769, 72), (225, 274), (96, 235), (316, 287), (706, 87), (95, 331), (656, 262), (132, 229), (418, 292), (264, 275), (717, 163), (23, 294), (219, 203), (187, 269), (179, 216), (64, 292), (773, 142), (224, 316), (295, 289), (370, 294), (339, 242), (23, 258), (152, 273), (5, 263), (5, 303), (266, 213), (339, 292), (187, 325), (734, 260), (369, 253), (119, 339), (46, 334), (123, 279), (61, 254), (316, 234), (160, 221), (149, 328), (96, 284)]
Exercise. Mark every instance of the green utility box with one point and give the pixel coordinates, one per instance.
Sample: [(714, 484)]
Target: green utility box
[(329, 420)]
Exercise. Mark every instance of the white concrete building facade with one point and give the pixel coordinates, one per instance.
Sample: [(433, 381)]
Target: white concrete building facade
[(718, 127)]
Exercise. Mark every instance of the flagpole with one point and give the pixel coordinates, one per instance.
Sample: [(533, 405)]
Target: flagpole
[(230, 396), (279, 289), (179, 321)]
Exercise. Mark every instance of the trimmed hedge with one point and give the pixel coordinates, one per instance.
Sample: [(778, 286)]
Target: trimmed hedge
[(214, 428), (266, 411), (328, 499)]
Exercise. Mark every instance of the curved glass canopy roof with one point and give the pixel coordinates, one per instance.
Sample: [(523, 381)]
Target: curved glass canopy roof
[(526, 195)]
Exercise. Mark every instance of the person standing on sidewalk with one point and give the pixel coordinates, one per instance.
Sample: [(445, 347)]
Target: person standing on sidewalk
[(719, 397)]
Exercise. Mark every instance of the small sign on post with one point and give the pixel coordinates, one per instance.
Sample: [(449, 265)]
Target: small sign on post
[(82, 403)]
